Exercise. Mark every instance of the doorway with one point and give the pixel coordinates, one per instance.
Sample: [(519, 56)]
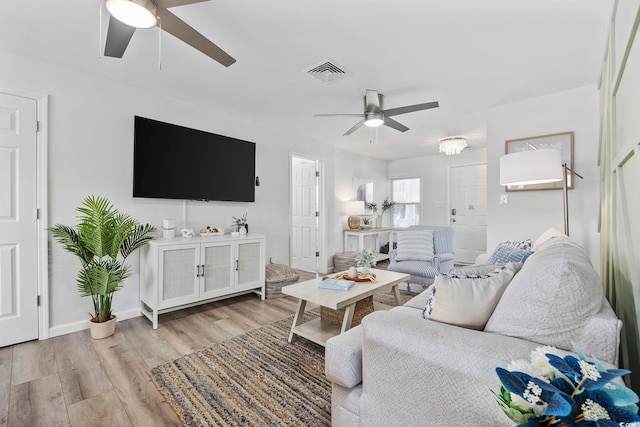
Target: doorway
[(23, 237), (468, 211), (306, 214)]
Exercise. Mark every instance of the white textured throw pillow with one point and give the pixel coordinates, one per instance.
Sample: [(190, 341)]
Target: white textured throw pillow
[(551, 300), (468, 300), (550, 234), (415, 245)]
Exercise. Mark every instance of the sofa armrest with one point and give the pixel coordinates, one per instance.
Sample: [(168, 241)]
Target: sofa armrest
[(443, 262), (343, 358), (405, 358)]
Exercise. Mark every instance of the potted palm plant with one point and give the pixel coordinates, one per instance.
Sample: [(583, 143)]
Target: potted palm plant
[(102, 241)]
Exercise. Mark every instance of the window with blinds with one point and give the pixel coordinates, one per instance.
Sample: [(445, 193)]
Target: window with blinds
[(405, 192)]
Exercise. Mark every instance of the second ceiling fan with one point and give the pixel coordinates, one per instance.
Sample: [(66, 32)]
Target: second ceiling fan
[(128, 15), (375, 115)]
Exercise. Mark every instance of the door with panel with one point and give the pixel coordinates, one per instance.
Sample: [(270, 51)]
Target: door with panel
[(249, 270), (216, 269), (468, 187), (179, 275), (304, 219), (18, 220)]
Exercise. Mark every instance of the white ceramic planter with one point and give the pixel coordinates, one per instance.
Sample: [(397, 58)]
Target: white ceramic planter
[(103, 330)]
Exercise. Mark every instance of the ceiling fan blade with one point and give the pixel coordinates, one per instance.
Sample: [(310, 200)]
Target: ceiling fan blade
[(371, 101), (180, 29), (355, 128), (118, 37), (337, 115), (410, 108), (166, 4), (393, 124)]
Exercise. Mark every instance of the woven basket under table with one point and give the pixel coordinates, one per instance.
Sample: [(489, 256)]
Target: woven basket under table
[(344, 260), (363, 307)]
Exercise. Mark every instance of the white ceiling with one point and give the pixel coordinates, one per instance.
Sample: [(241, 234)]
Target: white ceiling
[(469, 55)]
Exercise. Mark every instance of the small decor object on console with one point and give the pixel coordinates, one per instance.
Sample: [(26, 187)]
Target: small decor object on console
[(241, 223), (211, 231), (551, 390), (366, 259), (187, 233)]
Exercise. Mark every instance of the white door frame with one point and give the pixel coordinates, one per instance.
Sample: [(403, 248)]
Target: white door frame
[(42, 102), (322, 220)]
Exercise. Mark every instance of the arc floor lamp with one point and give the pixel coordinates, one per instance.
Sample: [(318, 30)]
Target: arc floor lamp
[(538, 166)]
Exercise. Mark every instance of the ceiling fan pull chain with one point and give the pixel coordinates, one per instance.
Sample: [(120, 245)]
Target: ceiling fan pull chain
[(100, 29), (159, 44)]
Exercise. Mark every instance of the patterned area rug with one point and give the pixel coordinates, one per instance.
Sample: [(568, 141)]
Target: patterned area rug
[(254, 379)]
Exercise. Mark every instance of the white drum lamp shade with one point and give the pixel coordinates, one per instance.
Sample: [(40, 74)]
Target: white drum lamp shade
[(537, 167), (531, 167)]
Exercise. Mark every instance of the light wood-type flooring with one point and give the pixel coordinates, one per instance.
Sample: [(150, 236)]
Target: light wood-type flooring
[(72, 380)]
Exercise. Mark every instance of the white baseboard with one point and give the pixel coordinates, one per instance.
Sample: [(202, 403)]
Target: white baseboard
[(69, 328)]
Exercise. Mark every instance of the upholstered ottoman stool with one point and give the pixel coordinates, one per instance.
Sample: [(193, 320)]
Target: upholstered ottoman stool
[(344, 260), (277, 276)]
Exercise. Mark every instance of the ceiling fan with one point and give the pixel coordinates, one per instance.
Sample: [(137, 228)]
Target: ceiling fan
[(127, 15), (375, 115)]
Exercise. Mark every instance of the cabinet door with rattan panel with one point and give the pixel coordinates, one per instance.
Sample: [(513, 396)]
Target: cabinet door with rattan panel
[(218, 260), (249, 264)]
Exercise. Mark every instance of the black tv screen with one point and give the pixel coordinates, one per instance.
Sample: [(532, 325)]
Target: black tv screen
[(175, 162)]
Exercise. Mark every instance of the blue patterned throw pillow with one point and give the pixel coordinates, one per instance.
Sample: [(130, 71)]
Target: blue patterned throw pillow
[(520, 244), (506, 253)]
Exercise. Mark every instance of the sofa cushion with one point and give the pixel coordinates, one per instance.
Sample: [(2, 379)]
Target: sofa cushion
[(414, 268), (419, 300), (506, 253), (468, 300), (415, 245), (552, 298), (473, 269)]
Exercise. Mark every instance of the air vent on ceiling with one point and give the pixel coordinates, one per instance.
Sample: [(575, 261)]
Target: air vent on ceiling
[(328, 71)]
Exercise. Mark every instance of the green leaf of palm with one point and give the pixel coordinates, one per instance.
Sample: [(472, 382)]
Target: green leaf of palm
[(139, 236), (97, 225)]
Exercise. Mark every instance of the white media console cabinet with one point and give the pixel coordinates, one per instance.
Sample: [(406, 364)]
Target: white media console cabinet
[(179, 273)]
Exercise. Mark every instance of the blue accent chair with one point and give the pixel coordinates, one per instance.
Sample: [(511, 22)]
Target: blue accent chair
[(425, 272)]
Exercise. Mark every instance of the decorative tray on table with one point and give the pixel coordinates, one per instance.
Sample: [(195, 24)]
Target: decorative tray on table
[(361, 278)]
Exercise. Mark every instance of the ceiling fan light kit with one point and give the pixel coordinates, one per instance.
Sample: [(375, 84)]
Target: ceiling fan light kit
[(453, 145), (374, 120), (135, 13), (129, 15)]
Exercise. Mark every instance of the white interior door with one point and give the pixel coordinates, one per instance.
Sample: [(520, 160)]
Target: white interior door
[(304, 217), (468, 187), (18, 221)]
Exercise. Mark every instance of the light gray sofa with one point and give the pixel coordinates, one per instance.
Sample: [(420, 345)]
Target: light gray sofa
[(400, 369)]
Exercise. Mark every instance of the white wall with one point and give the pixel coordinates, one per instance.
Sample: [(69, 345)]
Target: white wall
[(530, 213), (91, 152), (434, 171)]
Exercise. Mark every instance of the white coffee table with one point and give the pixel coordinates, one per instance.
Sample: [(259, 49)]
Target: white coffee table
[(319, 330)]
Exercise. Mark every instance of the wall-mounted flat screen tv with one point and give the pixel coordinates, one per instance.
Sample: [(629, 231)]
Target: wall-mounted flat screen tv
[(175, 162)]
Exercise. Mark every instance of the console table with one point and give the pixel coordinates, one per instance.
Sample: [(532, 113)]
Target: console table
[(375, 232)]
